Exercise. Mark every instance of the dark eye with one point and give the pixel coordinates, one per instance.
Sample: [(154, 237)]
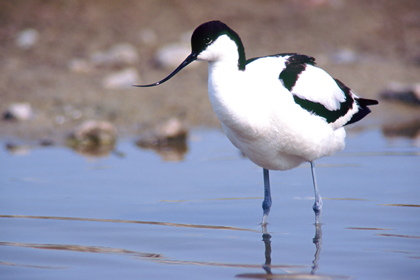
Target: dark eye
[(207, 41)]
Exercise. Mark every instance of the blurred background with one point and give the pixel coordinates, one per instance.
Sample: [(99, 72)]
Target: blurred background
[(120, 212), (67, 62)]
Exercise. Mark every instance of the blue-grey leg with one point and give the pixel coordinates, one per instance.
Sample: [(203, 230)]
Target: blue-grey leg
[(266, 205), (318, 199)]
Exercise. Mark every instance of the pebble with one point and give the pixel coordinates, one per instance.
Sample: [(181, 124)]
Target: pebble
[(18, 150), (169, 140), (148, 36), (172, 129), (120, 54), (407, 94), (122, 79), (79, 65), (27, 38), (344, 56), (18, 112), (408, 129), (170, 56), (93, 137)]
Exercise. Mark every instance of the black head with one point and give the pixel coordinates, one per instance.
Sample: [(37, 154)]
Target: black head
[(202, 37)]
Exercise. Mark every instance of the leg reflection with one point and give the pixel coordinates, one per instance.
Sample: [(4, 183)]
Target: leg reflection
[(317, 240), (318, 245), (267, 244)]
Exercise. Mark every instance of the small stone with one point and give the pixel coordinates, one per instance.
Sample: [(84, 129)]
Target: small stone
[(408, 94), (27, 38), (46, 143), (172, 55), (60, 119), (120, 54), (172, 129), (18, 112), (18, 150), (93, 138), (79, 65), (122, 79), (344, 56), (169, 140), (409, 129), (147, 36)]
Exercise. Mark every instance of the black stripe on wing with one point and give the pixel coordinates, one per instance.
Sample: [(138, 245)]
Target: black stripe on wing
[(330, 115), (295, 65), (333, 115)]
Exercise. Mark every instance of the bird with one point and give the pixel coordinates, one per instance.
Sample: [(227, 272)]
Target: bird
[(279, 110)]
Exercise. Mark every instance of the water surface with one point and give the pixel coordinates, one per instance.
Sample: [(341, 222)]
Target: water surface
[(131, 215)]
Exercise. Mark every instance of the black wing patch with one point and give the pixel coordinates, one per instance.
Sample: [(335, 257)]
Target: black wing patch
[(295, 65), (298, 58)]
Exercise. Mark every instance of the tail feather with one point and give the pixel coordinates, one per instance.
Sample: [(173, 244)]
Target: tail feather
[(363, 104)]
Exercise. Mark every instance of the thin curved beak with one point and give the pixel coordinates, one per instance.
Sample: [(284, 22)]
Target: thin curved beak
[(187, 61)]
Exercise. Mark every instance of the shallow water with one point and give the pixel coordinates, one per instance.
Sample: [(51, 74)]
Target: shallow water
[(132, 215)]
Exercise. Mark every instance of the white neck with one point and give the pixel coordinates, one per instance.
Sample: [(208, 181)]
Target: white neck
[(224, 49)]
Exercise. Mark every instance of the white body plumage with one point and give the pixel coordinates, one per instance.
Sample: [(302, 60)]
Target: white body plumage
[(260, 116)]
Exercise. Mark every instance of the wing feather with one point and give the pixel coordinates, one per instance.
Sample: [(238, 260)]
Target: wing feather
[(319, 93)]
